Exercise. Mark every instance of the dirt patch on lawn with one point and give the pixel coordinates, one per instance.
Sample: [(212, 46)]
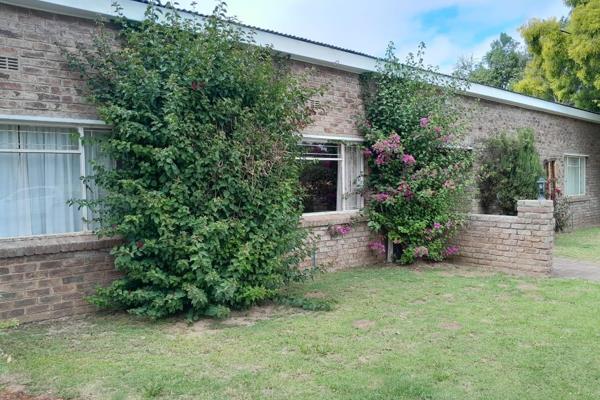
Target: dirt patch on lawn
[(20, 395), (363, 324), (450, 326), (238, 318)]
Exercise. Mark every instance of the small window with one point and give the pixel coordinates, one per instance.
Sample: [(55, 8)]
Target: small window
[(331, 177), (575, 175)]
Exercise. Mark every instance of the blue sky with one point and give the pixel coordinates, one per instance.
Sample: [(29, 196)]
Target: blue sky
[(449, 28)]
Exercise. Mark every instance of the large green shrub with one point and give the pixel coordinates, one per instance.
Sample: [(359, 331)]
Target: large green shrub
[(510, 168), (205, 193), (418, 169)]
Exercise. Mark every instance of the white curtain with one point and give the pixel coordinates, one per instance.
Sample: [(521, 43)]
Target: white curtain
[(353, 165), (94, 156), (35, 186), (575, 179)]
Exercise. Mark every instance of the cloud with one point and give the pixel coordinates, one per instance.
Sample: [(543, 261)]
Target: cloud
[(450, 28)]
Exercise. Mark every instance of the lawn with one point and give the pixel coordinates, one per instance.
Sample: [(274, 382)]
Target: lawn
[(581, 244), (393, 333)]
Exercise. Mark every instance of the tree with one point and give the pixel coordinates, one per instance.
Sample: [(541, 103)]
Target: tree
[(500, 67), (205, 136), (565, 62), (510, 168)]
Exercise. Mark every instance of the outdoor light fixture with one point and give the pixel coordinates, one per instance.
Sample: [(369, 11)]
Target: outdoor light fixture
[(541, 188)]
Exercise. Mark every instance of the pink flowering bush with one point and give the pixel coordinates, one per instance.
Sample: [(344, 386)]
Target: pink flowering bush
[(418, 172)]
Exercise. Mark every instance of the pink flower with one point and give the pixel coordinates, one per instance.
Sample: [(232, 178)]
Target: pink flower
[(367, 152), (343, 230), (389, 145), (377, 246), (437, 225), (381, 159), (421, 251), (450, 251), (445, 138), (408, 159), (424, 122), (381, 197), (437, 129), (404, 189)]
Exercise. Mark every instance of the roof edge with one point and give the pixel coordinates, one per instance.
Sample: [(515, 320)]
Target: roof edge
[(304, 50)]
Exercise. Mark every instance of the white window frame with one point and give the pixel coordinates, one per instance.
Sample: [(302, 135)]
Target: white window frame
[(80, 125), (342, 141), (582, 159)]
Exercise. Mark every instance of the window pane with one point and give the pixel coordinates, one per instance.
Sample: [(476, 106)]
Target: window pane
[(320, 150), (9, 137), (575, 176), (48, 138), (320, 182), (94, 157), (34, 192), (353, 166)]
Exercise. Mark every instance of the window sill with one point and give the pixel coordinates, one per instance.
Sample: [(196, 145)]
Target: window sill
[(53, 244), (330, 218)]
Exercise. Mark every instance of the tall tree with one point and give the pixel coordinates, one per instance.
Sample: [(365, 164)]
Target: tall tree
[(565, 62), (500, 67)]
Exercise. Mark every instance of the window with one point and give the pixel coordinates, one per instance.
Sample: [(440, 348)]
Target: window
[(575, 175), (40, 169), (331, 176)]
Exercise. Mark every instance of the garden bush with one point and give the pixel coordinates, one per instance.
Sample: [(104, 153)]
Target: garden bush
[(204, 135), (419, 172), (510, 168)]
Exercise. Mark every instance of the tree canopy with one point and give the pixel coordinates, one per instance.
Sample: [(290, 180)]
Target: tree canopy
[(565, 57), (500, 67)]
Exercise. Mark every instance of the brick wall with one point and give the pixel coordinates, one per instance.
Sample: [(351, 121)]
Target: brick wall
[(42, 85), (521, 243), (338, 252), (555, 136), (46, 278)]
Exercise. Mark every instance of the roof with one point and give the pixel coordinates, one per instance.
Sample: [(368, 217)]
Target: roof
[(302, 49)]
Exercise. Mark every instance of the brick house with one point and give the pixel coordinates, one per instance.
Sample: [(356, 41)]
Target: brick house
[(48, 257)]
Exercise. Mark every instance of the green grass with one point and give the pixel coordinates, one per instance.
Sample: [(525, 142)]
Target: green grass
[(393, 333), (581, 244)]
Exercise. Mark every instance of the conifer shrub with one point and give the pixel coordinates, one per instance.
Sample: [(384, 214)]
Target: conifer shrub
[(509, 171)]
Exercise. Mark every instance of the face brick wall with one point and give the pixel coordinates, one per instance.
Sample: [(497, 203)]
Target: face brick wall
[(521, 243), (48, 278), (42, 85), (555, 137), (338, 252)]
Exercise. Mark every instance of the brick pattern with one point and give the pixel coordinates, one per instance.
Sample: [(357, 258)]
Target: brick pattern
[(339, 252), (42, 85), (48, 278), (341, 101), (555, 137), (521, 243)]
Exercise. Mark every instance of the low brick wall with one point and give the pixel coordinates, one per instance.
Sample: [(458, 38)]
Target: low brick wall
[(49, 277), (338, 252), (521, 243)]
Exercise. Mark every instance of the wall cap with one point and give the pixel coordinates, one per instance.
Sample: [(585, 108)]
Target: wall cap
[(53, 244)]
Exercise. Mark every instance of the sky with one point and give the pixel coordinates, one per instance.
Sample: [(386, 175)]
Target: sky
[(449, 28)]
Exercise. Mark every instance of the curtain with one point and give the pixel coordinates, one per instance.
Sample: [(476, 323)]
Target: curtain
[(353, 165), (94, 157), (35, 186), (575, 176)]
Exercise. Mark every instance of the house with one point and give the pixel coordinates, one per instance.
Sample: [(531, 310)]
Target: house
[(48, 258)]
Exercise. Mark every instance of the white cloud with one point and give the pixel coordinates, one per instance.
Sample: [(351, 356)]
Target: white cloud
[(368, 26)]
